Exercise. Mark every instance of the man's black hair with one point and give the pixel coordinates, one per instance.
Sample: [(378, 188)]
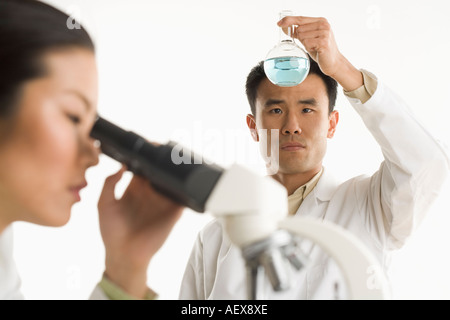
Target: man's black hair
[(257, 74)]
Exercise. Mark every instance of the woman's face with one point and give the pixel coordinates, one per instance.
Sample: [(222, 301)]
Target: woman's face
[(45, 148)]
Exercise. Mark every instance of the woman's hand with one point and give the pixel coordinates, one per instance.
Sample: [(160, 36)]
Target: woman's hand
[(133, 229)]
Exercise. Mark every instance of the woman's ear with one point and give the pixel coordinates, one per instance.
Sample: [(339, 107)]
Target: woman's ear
[(251, 123)]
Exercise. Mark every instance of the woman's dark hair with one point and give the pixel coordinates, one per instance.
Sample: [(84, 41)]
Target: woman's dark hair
[(257, 74), (28, 29)]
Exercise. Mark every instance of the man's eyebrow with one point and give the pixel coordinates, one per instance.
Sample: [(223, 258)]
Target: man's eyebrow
[(310, 102), (82, 97), (272, 102)]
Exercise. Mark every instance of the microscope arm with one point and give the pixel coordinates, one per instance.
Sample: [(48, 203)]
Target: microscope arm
[(362, 272)]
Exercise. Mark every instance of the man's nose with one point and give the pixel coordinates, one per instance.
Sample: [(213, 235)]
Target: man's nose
[(291, 125)]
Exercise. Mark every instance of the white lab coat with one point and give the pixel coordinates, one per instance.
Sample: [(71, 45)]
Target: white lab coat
[(382, 210), (10, 282), (9, 278)]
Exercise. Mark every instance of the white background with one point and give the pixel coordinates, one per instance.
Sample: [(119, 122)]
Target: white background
[(176, 69)]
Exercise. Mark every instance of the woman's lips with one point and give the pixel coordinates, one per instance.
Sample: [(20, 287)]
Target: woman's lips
[(76, 190)]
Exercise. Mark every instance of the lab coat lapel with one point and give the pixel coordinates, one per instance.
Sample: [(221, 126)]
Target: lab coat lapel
[(315, 205), (323, 191)]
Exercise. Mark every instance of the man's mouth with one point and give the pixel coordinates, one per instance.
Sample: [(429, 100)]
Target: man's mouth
[(292, 146)]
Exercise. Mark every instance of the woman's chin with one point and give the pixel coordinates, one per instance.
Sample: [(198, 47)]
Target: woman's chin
[(58, 220)]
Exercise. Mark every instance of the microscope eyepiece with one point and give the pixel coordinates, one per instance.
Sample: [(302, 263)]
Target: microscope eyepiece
[(189, 184)]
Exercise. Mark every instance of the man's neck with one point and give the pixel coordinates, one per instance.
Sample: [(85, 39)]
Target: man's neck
[(293, 181)]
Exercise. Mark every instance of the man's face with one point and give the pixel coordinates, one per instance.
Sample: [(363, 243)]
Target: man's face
[(300, 113)]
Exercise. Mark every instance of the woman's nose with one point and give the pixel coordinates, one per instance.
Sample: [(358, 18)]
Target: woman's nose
[(91, 152)]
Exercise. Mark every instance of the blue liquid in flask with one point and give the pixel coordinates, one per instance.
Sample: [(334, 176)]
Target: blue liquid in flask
[(286, 71)]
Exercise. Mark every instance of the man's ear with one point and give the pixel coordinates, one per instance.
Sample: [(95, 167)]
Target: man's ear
[(333, 121), (251, 124)]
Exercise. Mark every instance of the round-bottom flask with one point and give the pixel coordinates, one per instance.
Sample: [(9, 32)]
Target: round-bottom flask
[(287, 64)]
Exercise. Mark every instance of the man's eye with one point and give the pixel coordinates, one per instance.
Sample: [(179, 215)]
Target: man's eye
[(307, 110), (276, 111)]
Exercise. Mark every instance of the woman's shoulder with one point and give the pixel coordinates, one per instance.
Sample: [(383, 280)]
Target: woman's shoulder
[(9, 277)]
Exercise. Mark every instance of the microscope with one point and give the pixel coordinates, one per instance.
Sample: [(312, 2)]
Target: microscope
[(252, 208)]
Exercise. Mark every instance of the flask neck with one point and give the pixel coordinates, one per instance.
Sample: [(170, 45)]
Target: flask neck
[(286, 37)]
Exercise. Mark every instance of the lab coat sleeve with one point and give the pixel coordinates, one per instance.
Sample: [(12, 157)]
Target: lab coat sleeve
[(205, 255), (415, 167), (108, 290), (193, 281)]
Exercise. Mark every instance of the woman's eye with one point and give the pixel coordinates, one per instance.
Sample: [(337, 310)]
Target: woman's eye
[(75, 119)]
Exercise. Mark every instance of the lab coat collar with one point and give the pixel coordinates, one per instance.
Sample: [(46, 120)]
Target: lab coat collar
[(326, 186), (322, 192)]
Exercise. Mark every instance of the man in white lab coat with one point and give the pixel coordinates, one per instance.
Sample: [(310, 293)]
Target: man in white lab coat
[(382, 210)]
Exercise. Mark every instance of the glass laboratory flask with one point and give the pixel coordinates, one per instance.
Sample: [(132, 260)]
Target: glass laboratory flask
[(287, 64)]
